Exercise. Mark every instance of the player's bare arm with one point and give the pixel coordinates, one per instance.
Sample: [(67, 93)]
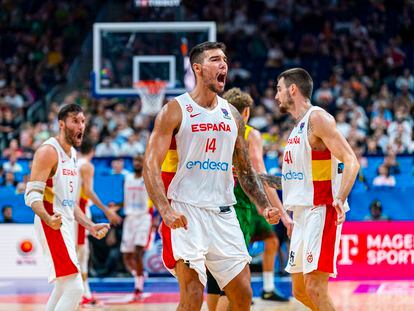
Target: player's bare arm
[(322, 128), (271, 181), (255, 143), (87, 172), (97, 230), (44, 166), (249, 180), (166, 124)]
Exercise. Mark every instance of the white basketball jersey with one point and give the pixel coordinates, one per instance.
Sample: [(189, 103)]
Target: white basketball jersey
[(62, 189), (309, 177), (135, 195), (205, 144)]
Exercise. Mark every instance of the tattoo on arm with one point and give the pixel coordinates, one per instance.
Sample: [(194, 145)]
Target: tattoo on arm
[(248, 178), (272, 181)]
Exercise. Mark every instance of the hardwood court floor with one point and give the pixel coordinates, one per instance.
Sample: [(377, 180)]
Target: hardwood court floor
[(347, 296)]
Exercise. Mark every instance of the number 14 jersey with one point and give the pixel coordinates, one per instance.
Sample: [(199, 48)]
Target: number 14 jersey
[(205, 144)]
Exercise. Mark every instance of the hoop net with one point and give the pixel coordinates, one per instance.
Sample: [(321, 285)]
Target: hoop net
[(152, 94)]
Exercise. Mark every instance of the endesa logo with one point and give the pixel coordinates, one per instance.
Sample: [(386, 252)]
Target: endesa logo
[(291, 175), (70, 203), (208, 165)]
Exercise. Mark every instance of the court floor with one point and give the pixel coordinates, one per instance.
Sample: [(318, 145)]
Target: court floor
[(162, 294)]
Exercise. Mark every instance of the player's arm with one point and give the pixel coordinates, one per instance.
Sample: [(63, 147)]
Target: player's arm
[(166, 122), (247, 176), (87, 172), (97, 230), (256, 155), (323, 126), (44, 162)]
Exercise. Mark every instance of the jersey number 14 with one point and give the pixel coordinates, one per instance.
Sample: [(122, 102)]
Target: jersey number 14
[(211, 144)]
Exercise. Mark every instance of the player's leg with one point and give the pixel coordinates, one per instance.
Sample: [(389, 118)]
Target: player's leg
[(316, 284), (189, 248), (299, 290), (228, 259), (67, 293), (239, 292), (139, 268), (320, 249), (213, 292), (191, 289)]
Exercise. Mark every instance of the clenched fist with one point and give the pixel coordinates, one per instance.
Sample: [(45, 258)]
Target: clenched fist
[(272, 215), (99, 231), (54, 221), (174, 220)]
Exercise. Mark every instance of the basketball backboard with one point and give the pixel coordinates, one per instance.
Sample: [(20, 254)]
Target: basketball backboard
[(126, 53)]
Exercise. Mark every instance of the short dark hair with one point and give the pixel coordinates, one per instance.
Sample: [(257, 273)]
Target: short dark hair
[(68, 108), (239, 99), (5, 207), (196, 53), (86, 146), (301, 78)]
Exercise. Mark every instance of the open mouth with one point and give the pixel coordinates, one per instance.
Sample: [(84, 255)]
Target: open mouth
[(221, 78), (79, 136)]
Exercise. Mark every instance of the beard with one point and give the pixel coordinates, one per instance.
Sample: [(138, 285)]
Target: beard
[(138, 170), (289, 103), (70, 137)]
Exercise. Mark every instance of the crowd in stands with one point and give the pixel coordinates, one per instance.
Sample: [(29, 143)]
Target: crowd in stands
[(358, 52)]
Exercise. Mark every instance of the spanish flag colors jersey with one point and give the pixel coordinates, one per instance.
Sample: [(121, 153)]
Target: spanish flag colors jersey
[(204, 148), (309, 177)]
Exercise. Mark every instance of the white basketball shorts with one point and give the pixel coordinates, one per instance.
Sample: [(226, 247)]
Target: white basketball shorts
[(213, 239), (315, 240), (58, 248), (136, 232)]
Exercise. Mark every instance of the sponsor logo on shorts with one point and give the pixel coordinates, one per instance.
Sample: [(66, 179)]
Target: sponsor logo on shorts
[(309, 257), (292, 258), (208, 165), (292, 175)]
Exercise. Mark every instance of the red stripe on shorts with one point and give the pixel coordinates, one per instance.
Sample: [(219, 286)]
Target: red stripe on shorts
[(326, 259), (60, 255), (81, 229)]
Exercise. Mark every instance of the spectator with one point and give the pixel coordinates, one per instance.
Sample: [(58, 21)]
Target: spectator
[(375, 212), (7, 213), (384, 178), (9, 181), (12, 165), (132, 147), (107, 148), (118, 167)]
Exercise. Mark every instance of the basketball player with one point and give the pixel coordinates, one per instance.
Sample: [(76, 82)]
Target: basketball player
[(209, 135), (137, 228), (52, 194), (315, 187), (253, 225), (86, 171)]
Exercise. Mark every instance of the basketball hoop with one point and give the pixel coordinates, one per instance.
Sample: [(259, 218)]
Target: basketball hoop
[(152, 94)]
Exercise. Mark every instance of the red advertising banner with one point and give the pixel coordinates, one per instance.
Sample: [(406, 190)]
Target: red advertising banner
[(377, 250)]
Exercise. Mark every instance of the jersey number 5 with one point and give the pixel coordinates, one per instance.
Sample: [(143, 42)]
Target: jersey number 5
[(288, 157), (211, 144)]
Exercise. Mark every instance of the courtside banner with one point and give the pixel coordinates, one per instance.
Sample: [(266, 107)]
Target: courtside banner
[(377, 250), (20, 255)]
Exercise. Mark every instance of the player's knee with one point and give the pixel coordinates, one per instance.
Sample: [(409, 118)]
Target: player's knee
[(244, 295), (193, 297), (313, 290)]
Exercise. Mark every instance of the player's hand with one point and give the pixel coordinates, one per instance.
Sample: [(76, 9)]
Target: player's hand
[(99, 231), (272, 215), (338, 204), (113, 217), (287, 222), (54, 221), (174, 220)]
